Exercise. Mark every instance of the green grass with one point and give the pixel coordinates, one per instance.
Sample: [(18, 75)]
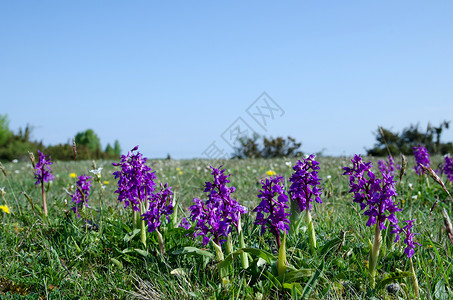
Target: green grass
[(63, 258)]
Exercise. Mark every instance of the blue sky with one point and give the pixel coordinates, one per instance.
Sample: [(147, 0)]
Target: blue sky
[(173, 76)]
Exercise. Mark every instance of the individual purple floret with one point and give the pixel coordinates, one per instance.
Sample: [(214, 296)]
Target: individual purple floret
[(135, 180), (373, 194), (421, 158), (273, 203), (81, 194), (409, 240), (160, 204), (387, 166), (213, 218), (42, 169), (304, 188), (448, 168), (185, 224)]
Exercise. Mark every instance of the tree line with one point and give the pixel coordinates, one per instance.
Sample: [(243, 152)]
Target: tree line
[(388, 142), (88, 146), (393, 142)]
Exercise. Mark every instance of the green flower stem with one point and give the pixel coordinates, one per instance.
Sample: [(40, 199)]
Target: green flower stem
[(142, 225), (160, 240), (244, 257), (281, 262), (44, 203), (414, 279), (229, 245), (220, 257), (135, 219), (311, 230), (374, 255)]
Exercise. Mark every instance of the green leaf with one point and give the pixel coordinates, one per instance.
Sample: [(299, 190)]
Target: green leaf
[(116, 263), (327, 247), (295, 288), (129, 236), (295, 275), (226, 262), (273, 280), (439, 291), (76, 245), (142, 252), (309, 287), (192, 251), (270, 258), (393, 277)]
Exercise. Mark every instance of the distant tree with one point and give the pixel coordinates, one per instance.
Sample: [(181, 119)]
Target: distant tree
[(279, 147), (117, 148), (109, 150), (388, 142), (248, 147), (25, 134), (89, 139), (271, 147), (5, 133)]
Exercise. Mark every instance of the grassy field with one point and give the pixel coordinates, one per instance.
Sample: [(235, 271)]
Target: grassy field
[(65, 257)]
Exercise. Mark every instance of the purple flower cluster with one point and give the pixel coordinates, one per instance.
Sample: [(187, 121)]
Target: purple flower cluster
[(160, 204), (387, 166), (213, 218), (135, 180), (373, 194), (304, 183), (448, 168), (82, 192), (273, 202), (421, 158), (409, 240), (42, 169)]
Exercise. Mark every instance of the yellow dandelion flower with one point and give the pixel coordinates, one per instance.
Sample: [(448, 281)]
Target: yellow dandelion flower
[(178, 169), (180, 173), (73, 175), (106, 182), (270, 173), (4, 208)]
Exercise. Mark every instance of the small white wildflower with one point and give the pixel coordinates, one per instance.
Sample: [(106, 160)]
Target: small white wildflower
[(96, 171), (414, 197), (288, 163), (14, 161), (16, 171), (328, 176)]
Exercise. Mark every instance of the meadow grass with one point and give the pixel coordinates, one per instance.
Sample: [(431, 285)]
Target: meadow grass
[(64, 257)]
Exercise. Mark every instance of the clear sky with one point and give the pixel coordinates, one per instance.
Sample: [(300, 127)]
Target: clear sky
[(177, 76)]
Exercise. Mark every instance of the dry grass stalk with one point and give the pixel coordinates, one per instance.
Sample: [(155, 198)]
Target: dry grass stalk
[(436, 179)]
